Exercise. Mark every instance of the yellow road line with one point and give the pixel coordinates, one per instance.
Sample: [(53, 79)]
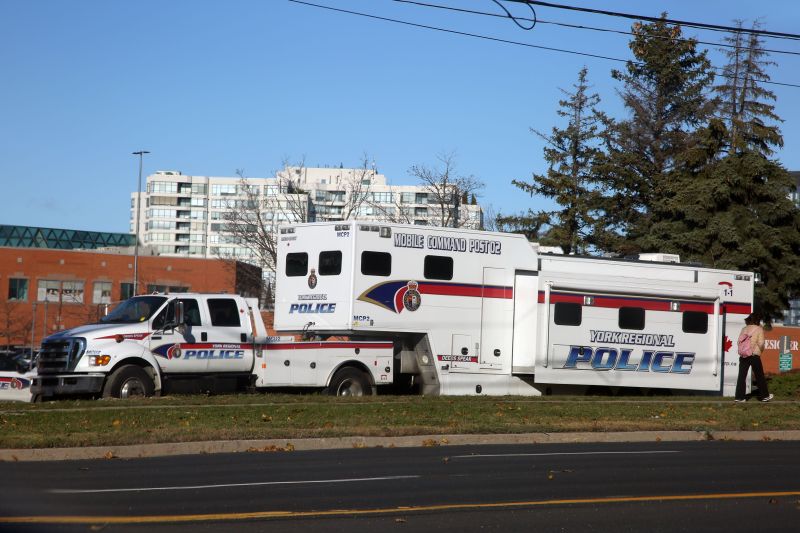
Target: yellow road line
[(255, 515)]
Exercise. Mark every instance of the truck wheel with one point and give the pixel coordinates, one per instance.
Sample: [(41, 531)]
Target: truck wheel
[(129, 381), (349, 382)]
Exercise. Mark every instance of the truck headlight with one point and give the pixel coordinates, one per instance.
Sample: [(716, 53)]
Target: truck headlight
[(99, 360)]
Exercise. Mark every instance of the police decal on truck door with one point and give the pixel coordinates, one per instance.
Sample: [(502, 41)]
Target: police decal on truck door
[(172, 344)]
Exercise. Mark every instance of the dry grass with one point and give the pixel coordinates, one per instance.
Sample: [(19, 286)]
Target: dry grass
[(199, 418)]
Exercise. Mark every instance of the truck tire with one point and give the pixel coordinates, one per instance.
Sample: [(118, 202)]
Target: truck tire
[(349, 381), (129, 381)]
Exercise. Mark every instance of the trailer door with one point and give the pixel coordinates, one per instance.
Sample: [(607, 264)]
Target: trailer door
[(526, 297), (496, 320)]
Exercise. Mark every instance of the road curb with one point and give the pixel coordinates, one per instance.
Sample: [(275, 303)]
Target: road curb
[(288, 445)]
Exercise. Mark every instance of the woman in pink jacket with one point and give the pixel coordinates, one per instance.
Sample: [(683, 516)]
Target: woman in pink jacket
[(751, 344)]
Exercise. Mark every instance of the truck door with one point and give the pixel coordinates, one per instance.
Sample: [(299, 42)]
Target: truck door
[(229, 346), (177, 352)]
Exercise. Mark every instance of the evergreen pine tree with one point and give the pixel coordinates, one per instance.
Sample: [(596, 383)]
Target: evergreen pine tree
[(665, 90), (744, 102), (570, 153), (730, 206)]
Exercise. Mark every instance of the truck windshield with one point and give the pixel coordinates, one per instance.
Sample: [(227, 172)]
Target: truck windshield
[(134, 310)]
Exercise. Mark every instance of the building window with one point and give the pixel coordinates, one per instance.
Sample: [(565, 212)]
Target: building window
[(49, 291), (438, 267), (101, 294), (163, 186), (631, 318), (125, 291), (18, 289), (330, 263), (567, 314), (166, 289), (72, 292), (382, 197), (376, 264), (224, 190)]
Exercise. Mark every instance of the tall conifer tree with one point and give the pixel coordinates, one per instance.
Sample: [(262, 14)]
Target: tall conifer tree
[(665, 91), (570, 153), (730, 206)]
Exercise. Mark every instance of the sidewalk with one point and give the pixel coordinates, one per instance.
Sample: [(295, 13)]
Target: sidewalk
[(285, 445)]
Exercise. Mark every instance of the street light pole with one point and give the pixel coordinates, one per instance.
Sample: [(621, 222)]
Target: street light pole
[(140, 153)]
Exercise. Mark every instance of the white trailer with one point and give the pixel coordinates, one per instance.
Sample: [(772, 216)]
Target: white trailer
[(471, 312)]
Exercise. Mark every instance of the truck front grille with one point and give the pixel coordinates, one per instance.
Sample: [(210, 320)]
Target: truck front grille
[(60, 355)]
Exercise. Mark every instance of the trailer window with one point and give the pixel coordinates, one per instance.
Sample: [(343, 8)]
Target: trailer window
[(297, 264), (695, 322), (631, 318), (376, 264), (567, 314), (224, 312), (330, 263), (438, 267)]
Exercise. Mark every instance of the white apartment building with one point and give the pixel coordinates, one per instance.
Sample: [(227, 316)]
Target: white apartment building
[(185, 215)]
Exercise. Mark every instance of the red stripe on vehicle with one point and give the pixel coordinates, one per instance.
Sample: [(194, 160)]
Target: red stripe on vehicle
[(737, 308), (327, 345), (615, 302), (451, 289)]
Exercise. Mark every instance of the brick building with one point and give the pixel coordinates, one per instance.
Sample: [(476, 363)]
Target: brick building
[(43, 290)]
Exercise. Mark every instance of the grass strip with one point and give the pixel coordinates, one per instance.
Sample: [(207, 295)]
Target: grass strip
[(267, 416)]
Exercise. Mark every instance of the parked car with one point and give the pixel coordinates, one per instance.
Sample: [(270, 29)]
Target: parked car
[(16, 375)]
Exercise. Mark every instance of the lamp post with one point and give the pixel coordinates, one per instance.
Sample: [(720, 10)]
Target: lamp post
[(140, 153)]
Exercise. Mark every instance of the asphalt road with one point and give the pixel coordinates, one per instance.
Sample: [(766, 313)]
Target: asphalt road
[(700, 486)]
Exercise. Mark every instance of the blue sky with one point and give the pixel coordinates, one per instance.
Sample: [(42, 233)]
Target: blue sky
[(210, 87)]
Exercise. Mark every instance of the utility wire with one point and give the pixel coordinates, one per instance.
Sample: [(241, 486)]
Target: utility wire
[(702, 25), (582, 27), (517, 19), (517, 43)]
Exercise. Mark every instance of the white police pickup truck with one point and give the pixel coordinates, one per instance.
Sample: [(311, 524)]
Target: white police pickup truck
[(149, 343)]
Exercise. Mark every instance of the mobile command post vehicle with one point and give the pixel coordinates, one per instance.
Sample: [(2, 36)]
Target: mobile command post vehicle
[(210, 341), (471, 312)]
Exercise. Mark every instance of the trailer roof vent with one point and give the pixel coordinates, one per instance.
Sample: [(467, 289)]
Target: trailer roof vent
[(660, 258), (557, 250)]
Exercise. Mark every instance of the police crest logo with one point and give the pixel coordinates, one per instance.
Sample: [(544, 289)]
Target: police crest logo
[(412, 298), (312, 279)]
